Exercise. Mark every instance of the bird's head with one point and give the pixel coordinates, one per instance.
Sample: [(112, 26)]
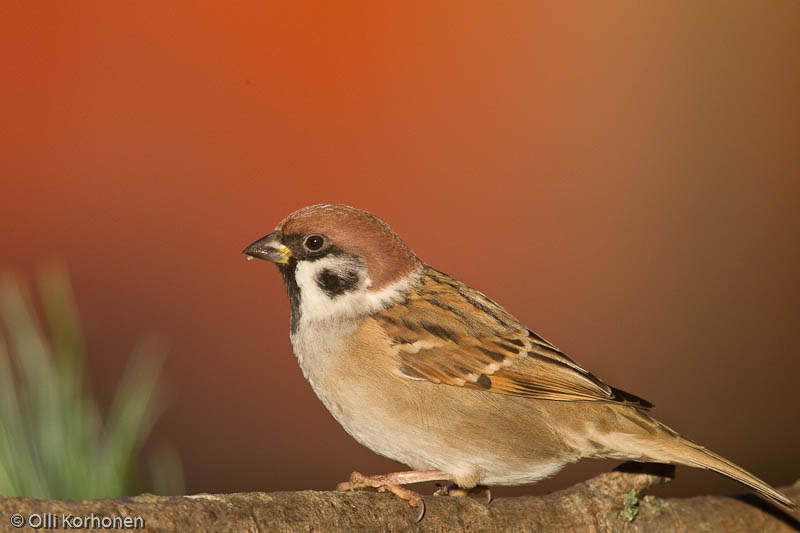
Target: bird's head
[(337, 261)]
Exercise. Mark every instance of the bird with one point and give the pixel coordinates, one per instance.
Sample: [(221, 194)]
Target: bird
[(427, 371)]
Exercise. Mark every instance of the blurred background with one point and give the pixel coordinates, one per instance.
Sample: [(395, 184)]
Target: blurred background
[(636, 164)]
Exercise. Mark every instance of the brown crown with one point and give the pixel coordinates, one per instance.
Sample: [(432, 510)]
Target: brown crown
[(357, 232)]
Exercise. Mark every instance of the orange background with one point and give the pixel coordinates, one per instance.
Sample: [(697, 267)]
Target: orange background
[(622, 177)]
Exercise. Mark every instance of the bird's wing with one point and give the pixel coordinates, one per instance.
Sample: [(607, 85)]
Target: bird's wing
[(448, 333)]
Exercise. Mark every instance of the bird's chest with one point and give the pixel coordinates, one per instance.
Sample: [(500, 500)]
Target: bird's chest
[(321, 355), (350, 375), (341, 370)]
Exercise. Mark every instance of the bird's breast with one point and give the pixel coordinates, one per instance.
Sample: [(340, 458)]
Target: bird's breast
[(471, 434)]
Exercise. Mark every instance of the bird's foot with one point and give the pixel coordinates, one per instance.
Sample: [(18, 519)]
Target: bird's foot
[(394, 483), (459, 492)]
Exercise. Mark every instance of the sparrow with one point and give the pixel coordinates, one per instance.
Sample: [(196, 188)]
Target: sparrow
[(429, 372)]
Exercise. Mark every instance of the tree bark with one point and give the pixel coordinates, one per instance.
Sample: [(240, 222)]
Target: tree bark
[(608, 502)]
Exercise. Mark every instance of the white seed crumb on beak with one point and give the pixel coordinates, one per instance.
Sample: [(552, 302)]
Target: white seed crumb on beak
[(250, 257)]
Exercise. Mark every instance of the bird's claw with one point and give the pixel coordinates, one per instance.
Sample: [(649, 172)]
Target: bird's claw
[(441, 490), (457, 492), (421, 509), (384, 483)]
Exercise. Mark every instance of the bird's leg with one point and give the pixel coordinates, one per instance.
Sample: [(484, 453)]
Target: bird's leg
[(394, 483)]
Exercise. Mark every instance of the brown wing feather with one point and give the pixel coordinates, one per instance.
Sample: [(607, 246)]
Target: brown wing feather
[(448, 333)]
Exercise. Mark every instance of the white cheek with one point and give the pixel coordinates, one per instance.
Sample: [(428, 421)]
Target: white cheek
[(316, 305)]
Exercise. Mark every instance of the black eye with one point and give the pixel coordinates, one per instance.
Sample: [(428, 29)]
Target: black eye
[(314, 242)]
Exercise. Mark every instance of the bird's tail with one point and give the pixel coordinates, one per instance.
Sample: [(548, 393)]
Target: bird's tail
[(646, 439), (677, 450), (688, 453)]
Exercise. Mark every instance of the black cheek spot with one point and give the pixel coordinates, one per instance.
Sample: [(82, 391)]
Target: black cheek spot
[(484, 382), (335, 284)]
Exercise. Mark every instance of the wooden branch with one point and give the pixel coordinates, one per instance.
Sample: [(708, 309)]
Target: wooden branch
[(608, 502)]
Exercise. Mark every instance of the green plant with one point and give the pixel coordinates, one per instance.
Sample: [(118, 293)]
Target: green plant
[(53, 443), (630, 509)]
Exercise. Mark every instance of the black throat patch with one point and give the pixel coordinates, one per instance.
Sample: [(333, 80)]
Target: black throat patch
[(288, 272), (335, 283)]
